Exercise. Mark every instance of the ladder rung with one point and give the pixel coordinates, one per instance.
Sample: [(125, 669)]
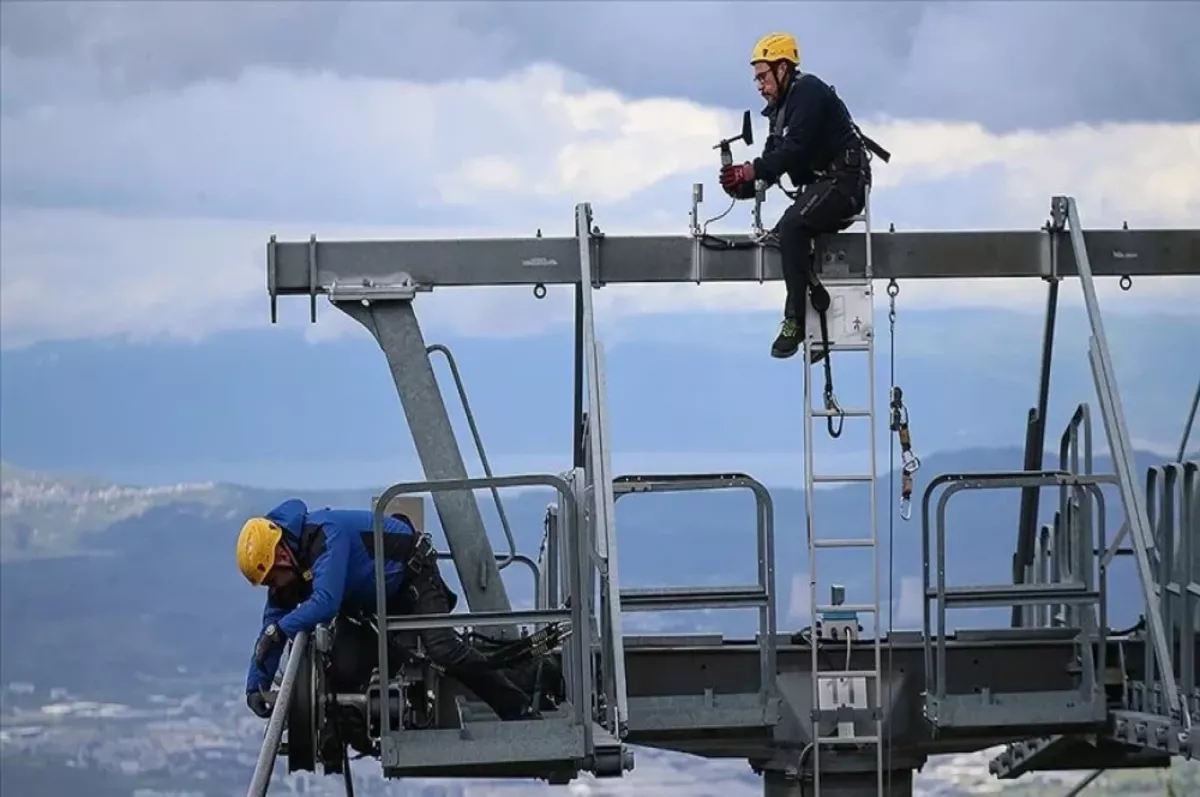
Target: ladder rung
[(846, 607), (836, 347), (872, 739), (849, 542), (830, 674), (854, 412), (832, 478)]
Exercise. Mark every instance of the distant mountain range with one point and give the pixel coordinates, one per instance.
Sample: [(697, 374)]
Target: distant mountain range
[(164, 555), (695, 391), (120, 594)]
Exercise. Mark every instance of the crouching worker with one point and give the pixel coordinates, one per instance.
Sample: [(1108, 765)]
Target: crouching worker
[(320, 564)]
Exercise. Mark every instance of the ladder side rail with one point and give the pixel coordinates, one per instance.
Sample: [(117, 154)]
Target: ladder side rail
[(871, 541), (810, 531), (874, 501)]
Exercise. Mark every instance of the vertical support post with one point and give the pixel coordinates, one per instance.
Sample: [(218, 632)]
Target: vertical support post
[(1035, 438), (551, 569), (577, 437), (1187, 426), (395, 326), (1113, 414), (1188, 575)]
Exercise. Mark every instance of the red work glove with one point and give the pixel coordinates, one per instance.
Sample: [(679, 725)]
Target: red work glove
[(734, 175)]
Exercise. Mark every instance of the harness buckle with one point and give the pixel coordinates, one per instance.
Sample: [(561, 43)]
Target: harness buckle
[(423, 553)]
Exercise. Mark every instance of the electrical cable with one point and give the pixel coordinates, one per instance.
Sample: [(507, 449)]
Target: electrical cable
[(891, 519)]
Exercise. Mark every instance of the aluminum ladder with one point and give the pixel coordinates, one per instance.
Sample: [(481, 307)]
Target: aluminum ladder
[(850, 323)]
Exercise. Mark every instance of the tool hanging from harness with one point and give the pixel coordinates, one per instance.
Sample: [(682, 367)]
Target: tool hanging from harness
[(910, 463)]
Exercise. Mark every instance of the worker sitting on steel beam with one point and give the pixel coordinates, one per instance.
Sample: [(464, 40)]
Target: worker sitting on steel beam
[(815, 142), (320, 564)]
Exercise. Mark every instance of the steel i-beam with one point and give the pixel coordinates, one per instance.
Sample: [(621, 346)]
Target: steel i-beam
[(394, 324)]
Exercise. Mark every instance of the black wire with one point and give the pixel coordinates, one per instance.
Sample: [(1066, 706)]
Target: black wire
[(725, 245), (891, 526)]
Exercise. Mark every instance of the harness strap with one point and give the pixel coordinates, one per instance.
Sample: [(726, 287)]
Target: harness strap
[(820, 301)]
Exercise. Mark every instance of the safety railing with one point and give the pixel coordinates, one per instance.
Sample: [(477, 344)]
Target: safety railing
[(1173, 507), (760, 595), (577, 665), (1054, 554), (505, 560), (512, 558), (1077, 545)]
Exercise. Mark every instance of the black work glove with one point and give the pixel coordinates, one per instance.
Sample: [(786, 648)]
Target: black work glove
[(269, 640), (259, 704)]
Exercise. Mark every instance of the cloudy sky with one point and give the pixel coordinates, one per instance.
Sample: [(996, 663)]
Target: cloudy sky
[(149, 149)]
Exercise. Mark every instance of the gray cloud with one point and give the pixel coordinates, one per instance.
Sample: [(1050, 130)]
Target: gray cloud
[(1007, 65)]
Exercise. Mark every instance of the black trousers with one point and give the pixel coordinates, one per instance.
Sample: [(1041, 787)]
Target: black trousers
[(355, 652), (822, 207), (426, 593)]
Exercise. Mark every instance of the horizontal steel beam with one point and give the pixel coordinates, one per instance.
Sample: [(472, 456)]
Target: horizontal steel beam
[(654, 599), (701, 671), (322, 267)]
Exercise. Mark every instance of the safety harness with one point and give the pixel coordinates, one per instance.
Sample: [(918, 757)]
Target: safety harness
[(415, 551), (849, 157)]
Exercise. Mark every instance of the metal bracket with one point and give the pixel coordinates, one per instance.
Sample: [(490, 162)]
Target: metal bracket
[(399, 288)]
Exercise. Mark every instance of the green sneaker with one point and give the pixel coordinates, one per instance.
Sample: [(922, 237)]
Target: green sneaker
[(788, 341)]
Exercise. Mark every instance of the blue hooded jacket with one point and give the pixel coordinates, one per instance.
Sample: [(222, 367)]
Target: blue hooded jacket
[(343, 573)]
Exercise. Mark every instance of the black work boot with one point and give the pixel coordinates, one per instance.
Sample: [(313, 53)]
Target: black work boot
[(788, 340)]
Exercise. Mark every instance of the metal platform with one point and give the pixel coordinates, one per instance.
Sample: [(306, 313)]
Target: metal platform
[(1059, 687)]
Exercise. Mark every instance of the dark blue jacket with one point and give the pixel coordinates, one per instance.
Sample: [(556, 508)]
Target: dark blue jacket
[(810, 126), (342, 568)]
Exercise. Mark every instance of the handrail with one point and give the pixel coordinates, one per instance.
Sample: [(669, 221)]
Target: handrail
[(935, 664), (624, 485), (261, 780), (487, 468), (520, 558), (1170, 501)]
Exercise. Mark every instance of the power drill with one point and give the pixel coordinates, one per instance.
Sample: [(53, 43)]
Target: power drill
[(746, 135)]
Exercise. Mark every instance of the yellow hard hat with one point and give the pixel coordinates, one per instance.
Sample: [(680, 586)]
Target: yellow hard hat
[(776, 47), (256, 548)]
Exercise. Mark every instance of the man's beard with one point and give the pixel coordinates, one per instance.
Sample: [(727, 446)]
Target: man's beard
[(291, 595)]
